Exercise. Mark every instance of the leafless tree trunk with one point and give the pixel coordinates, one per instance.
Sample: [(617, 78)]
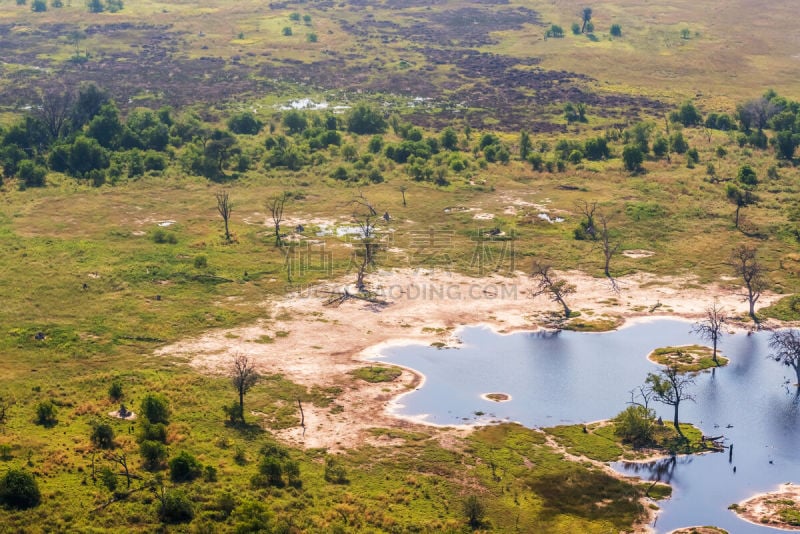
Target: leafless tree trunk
[(744, 261), (275, 207), (243, 376), (225, 207), (712, 327), (786, 344), (548, 282), (366, 218), (588, 209), (54, 109), (403, 190), (609, 247), (122, 460)]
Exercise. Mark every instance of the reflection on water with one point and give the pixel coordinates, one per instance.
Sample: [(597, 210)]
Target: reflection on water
[(569, 377)]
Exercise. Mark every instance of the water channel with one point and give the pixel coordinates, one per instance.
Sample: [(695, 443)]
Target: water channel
[(569, 377)]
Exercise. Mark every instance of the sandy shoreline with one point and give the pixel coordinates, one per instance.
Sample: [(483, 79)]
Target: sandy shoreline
[(762, 509), (320, 345)]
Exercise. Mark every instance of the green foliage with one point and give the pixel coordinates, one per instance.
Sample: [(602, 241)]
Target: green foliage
[(155, 408), (576, 28), (616, 30), (38, 6), (474, 511), (46, 413), (153, 454), (184, 467), (555, 31), (109, 479), (688, 115), (151, 431), (115, 391), (335, 473), (95, 6), (376, 373), (364, 119), (633, 158), (19, 490), (287, 31), (747, 176), (32, 175), (245, 123), (449, 139), (635, 425), (678, 143), (312, 37), (295, 121), (102, 436), (596, 149), (176, 508), (161, 236)]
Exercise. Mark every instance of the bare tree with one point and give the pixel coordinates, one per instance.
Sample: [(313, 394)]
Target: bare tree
[(588, 228), (786, 347), (275, 206), (365, 216), (122, 460), (54, 109), (403, 190), (548, 282), (244, 377), (712, 327), (671, 388), (225, 207), (609, 246), (744, 261)]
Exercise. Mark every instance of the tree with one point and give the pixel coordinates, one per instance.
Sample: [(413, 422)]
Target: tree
[(633, 158), (609, 246), (744, 261), (38, 6), (525, 145), (275, 207), (363, 119), (245, 123), (747, 176), (184, 468), (366, 218), (587, 228), (786, 347), (295, 121), (712, 328), (287, 31), (155, 408), (740, 198), (688, 114), (555, 31), (103, 436), (46, 413), (244, 376), (671, 388), (786, 143), (19, 490), (448, 139), (54, 109), (225, 207), (474, 511), (95, 6), (576, 28), (548, 282), (586, 16), (616, 30)]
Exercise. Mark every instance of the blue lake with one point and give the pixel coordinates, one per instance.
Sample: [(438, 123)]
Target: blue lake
[(569, 377)]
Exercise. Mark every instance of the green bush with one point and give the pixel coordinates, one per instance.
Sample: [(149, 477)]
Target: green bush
[(155, 408), (152, 431), (19, 490), (176, 508), (635, 425), (103, 436), (46, 413), (153, 454), (335, 473), (115, 390), (184, 467)]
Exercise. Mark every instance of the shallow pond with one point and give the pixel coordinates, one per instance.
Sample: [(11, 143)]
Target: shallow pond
[(571, 377)]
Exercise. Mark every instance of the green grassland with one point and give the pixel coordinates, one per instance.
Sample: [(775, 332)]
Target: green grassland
[(94, 271)]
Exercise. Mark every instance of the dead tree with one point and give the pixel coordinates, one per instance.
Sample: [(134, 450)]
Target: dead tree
[(548, 282), (670, 387), (609, 247), (588, 229), (786, 347), (225, 207), (275, 206), (243, 376), (744, 261), (122, 460), (54, 109), (712, 327)]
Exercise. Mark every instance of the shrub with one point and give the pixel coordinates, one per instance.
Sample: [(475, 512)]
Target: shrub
[(160, 237), (474, 510), (19, 490), (335, 473), (635, 425), (616, 30), (115, 390), (364, 119), (747, 176), (200, 262), (152, 431), (176, 508), (155, 408), (103, 436), (46, 413), (184, 467), (153, 454), (109, 479)]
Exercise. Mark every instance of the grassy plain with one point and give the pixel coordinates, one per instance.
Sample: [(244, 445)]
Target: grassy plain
[(140, 295)]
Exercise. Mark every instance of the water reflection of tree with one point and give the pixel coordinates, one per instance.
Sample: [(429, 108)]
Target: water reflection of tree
[(658, 471)]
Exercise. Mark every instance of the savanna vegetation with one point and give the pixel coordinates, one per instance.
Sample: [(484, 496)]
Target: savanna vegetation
[(161, 172)]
